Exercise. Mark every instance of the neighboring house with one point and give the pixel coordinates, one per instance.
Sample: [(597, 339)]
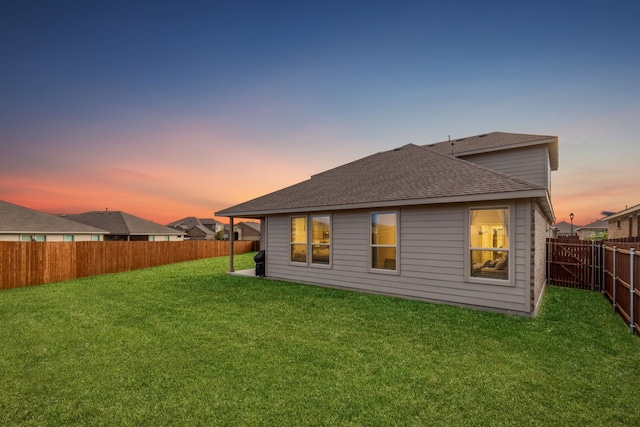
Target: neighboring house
[(20, 224), (624, 224), (200, 232), (590, 231), (461, 222), (564, 229), (243, 231), (127, 227), (198, 228)]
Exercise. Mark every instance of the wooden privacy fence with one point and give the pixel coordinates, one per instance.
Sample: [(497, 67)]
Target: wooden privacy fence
[(621, 278), (36, 263), (608, 267)]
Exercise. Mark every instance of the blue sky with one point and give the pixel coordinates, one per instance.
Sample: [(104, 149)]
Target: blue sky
[(172, 109)]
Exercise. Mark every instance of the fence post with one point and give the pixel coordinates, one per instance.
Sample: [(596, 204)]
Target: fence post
[(632, 323), (603, 265), (548, 261), (593, 265), (615, 276)]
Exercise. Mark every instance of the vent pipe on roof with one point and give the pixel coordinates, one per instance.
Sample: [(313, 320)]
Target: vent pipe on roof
[(453, 149)]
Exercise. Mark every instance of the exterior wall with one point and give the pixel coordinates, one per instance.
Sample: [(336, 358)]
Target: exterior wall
[(588, 233), (9, 237), (540, 228), (621, 232), (431, 258), (529, 163)]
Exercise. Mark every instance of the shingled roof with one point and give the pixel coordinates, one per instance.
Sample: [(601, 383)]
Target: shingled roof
[(409, 175), (497, 141), (18, 219), (121, 223)]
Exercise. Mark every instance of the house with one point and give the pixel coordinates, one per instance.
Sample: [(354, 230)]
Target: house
[(198, 228), (461, 222), (564, 229), (591, 231), (624, 224), (243, 231), (20, 224), (123, 226)]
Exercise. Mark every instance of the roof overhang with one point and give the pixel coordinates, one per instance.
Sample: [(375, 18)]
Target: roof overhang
[(628, 211), (542, 195)]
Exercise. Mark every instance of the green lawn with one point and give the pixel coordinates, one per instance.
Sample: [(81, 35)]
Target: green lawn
[(185, 344)]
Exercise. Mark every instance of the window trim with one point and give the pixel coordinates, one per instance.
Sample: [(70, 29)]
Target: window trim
[(372, 269), (510, 281)]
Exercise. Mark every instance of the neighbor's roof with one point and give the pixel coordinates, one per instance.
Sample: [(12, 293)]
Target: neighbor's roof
[(596, 225), (495, 141), (403, 176), (16, 219), (627, 211), (192, 221), (121, 223)]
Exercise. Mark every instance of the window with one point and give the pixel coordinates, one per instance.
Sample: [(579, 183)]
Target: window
[(489, 243), (68, 237), (95, 237), (152, 238), (26, 237), (298, 240), (316, 239), (320, 239), (384, 237)]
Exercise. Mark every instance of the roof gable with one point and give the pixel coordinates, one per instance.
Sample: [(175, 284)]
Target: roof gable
[(496, 141), (408, 173)]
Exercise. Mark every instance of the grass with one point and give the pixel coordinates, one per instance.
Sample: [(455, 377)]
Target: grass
[(186, 344)]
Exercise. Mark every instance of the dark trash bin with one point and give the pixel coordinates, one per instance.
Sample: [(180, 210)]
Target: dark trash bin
[(259, 259)]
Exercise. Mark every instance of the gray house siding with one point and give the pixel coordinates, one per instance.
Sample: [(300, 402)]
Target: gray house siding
[(541, 227), (528, 163), (431, 257)]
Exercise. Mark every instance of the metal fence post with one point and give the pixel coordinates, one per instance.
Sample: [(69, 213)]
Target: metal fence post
[(548, 261), (632, 323), (615, 276)]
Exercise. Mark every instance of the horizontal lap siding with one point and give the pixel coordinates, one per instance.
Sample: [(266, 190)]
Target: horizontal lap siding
[(530, 163), (431, 259)]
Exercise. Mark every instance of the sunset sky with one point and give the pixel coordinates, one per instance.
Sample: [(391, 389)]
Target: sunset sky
[(168, 109)]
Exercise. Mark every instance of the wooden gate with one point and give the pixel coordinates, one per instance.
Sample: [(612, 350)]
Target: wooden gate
[(574, 264)]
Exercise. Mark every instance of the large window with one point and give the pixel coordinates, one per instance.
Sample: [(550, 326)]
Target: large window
[(489, 242), (320, 239), (299, 239), (384, 237), (312, 237)]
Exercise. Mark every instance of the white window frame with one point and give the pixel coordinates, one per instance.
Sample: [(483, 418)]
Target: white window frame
[(510, 281), (396, 270)]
